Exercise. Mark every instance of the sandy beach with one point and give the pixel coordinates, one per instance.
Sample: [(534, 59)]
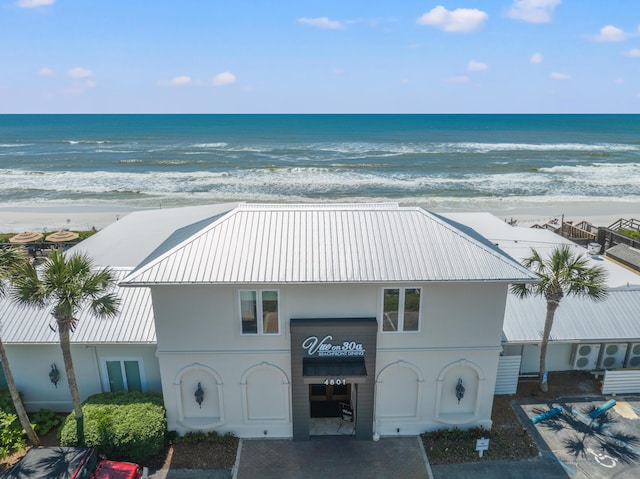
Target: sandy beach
[(55, 218), (81, 218)]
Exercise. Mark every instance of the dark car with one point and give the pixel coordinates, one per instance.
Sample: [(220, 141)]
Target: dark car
[(70, 463)]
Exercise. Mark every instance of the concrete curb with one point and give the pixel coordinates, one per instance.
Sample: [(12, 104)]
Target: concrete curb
[(236, 466), (426, 458)]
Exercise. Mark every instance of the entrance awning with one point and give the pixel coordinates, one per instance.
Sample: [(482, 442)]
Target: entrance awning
[(333, 367)]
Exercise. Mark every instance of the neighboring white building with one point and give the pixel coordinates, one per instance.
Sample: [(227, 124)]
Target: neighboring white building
[(586, 335), (118, 353)]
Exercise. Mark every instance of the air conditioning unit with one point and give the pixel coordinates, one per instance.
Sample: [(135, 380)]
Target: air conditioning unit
[(613, 355), (585, 356), (633, 358)]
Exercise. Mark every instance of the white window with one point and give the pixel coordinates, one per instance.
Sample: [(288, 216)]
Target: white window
[(401, 309), (123, 374), (259, 312)]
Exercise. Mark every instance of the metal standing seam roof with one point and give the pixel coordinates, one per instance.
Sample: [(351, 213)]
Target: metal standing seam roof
[(576, 319), (133, 324), (328, 243)]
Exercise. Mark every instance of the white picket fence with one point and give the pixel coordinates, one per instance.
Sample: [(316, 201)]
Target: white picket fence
[(507, 377), (621, 381)]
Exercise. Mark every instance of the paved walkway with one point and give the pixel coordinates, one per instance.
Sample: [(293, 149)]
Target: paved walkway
[(534, 469), (332, 456)]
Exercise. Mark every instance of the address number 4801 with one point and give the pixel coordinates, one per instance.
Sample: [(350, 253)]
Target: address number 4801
[(334, 381)]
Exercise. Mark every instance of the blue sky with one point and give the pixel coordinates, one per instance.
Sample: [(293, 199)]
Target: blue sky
[(294, 56)]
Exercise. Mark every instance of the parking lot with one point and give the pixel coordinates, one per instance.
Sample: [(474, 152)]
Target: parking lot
[(587, 440)]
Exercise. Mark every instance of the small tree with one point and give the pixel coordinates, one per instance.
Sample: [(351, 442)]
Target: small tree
[(68, 285), (10, 260), (561, 274)]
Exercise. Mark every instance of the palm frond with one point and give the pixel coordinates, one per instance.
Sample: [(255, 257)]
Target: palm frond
[(10, 261), (28, 289)]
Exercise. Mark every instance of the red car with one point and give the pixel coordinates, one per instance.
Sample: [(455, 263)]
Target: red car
[(71, 463)]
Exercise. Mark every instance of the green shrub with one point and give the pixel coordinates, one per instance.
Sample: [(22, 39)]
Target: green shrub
[(123, 426), (45, 420), (11, 434), (6, 403)]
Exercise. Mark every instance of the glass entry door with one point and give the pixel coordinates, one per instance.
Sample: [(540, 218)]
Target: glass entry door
[(325, 399)]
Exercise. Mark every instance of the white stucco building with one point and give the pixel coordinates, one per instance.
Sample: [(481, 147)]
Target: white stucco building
[(586, 335), (258, 319)]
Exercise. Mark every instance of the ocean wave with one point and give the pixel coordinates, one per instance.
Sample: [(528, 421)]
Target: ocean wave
[(318, 182), (87, 142), (220, 144), (409, 148), (609, 169), (105, 150), (587, 147), (14, 145)]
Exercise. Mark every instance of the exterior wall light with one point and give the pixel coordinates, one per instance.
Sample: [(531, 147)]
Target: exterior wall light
[(199, 394), (459, 390), (54, 375)]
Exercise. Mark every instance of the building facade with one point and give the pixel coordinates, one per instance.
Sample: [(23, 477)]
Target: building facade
[(270, 317)]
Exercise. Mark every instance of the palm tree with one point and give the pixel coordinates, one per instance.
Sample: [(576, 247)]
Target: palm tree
[(561, 274), (68, 285), (10, 259)]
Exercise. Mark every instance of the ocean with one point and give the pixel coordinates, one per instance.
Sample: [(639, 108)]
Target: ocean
[(433, 161)]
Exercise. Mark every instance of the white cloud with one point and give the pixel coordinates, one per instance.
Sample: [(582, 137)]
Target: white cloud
[(224, 78), (474, 66), (182, 80), (633, 53), (609, 33), (559, 76), (536, 58), (460, 20), (45, 72), (79, 72), (618, 80), (533, 11), (404, 81), (34, 3), (458, 79), (322, 22)]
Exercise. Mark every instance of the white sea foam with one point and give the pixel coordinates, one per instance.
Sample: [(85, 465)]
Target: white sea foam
[(611, 169), (315, 180), (395, 149), (220, 144), (487, 147)]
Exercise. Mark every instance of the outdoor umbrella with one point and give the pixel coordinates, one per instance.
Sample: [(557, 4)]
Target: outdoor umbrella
[(26, 237), (62, 236)]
